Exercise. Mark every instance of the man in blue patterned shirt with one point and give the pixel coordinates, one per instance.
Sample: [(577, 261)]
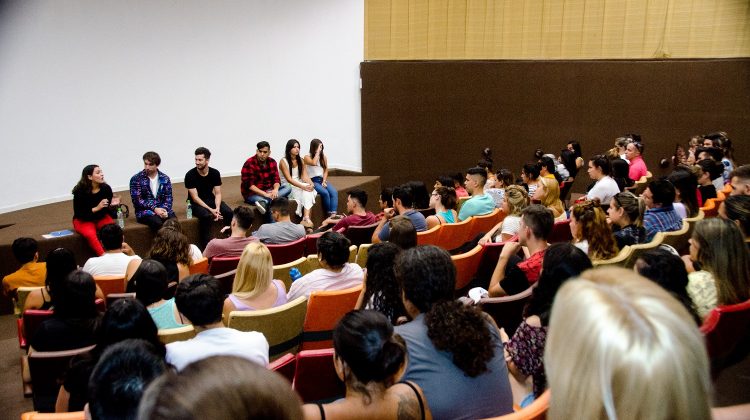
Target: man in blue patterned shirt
[(660, 215), (151, 191)]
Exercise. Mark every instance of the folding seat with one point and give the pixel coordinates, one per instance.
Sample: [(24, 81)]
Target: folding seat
[(359, 235), (200, 266), (45, 370), (467, 265), (315, 378), (324, 310), (507, 311), (171, 335), (281, 325), (110, 284), (220, 265), (429, 236), (284, 253)]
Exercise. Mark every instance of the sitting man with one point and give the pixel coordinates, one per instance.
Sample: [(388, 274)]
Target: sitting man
[(356, 200), (260, 180), (232, 246), (200, 299), (284, 230), (336, 273), (117, 254), (710, 171), (151, 192), (403, 204), (204, 190), (513, 275), (660, 215), (32, 273), (479, 203), (740, 179)]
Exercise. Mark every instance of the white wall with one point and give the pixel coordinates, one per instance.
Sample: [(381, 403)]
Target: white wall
[(102, 81)]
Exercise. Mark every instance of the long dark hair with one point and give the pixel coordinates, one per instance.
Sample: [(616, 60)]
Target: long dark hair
[(125, 319), (60, 262), (76, 299), (84, 184), (668, 271), (382, 287), (313, 148), (687, 185), (288, 154)]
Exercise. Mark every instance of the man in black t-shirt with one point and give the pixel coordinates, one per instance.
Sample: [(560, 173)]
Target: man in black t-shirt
[(204, 192)]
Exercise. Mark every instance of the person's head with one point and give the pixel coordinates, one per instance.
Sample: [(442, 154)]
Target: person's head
[(444, 181), (254, 271), (25, 250), (633, 150), (279, 207), (619, 346), (536, 223), (76, 298), (666, 269), (171, 245), (516, 199), (548, 192), (386, 198), (60, 262), (111, 237), (589, 222), (315, 145), (220, 387), (333, 249), (458, 179), (547, 165), (446, 196), (475, 179), (262, 151), (621, 143), (737, 209), (292, 153), (202, 155), (90, 175), (599, 167), (420, 194), (529, 172), (740, 179), (714, 153), (711, 169), (381, 285), (620, 169), (659, 193), (200, 299), (686, 189), (403, 232), (719, 246), (151, 162), (356, 199), (403, 197), (568, 159), (119, 379), (626, 209), (574, 147), (149, 282), (172, 223), (427, 276), (486, 161), (127, 319), (505, 178), (242, 218), (562, 261), (707, 142)]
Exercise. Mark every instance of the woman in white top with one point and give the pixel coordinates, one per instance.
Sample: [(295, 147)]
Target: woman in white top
[(516, 199), (295, 175), (317, 169), (605, 187)]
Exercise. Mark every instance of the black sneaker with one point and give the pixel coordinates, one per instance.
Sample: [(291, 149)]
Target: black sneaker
[(261, 206)]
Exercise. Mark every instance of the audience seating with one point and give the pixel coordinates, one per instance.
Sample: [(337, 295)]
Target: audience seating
[(220, 265), (617, 260), (359, 235), (285, 365), (429, 237), (362, 255), (560, 232), (710, 209), (199, 267), (725, 328), (537, 410), (324, 309), (467, 265), (284, 253), (483, 224), (226, 281), (113, 297), (176, 334), (677, 239), (352, 254), (35, 415), (282, 325), (640, 186), (507, 311), (110, 284), (487, 264), (315, 378), (303, 264), (311, 243), (29, 323), (727, 189), (453, 235), (45, 370), (22, 293), (638, 249)]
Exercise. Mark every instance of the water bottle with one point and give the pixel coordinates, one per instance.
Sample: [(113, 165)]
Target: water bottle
[(120, 219), (189, 211), (294, 273)]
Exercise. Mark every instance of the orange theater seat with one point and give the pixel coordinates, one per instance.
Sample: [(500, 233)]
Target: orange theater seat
[(324, 310)]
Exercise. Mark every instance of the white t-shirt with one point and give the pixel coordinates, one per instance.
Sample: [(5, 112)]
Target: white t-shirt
[(511, 225), (114, 264), (154, 183), (604, 190), (250, 345), (321, 279)]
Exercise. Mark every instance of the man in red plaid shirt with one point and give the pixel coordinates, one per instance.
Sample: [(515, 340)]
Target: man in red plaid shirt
[(260, 180)]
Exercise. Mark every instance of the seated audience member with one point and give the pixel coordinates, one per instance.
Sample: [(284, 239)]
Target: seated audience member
[(479, 203), (403, 204), (242, 221), (92, 203), (525, 350), (120, 378), (621, 148), (548, 195), (75, 318), (117, 254), (458, 179), (512, 274), (575, 147), (32, 272), (593, 376), (385, 201), (626, 212), (200, 299), (381, 291), (247, 391), (254, 286), (567, 165), (620, 173), (686, 192), (370, 359), (516, 199), (665, 268), (125, 319), (316, 164), (660, 215), (260, 180), (443, 181), (294, 176), (335, 272), (60, 263), (548, 168), (204, 191), (283, 230), (605, 187), (173, 223), (150, 284), (172, 249), (637, 164), (420, 194), (737, 209), (455, 352), (403, 233), (444, 201), (486, 163), (591, 233), (151, 192), (711, 170), (503, 179), (740, 180), (724, 275), (357, 215)]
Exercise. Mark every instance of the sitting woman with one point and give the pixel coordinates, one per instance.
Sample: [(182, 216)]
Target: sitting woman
[(686, 192), (254, 286), (150, 285), (516, 199), (60, 263), (530, 177), (626, 212), (665, 268), (381, 291), (724, 274), (172, 249), (735, 208), (370, 360), (295, 175), (548, 195), (92, 202), (173, 223), (316, 166), (444, 201), (503, 179), (591, 233), (525, 350)]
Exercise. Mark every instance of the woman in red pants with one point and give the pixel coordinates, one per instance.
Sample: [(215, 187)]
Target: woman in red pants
[(92, 198)]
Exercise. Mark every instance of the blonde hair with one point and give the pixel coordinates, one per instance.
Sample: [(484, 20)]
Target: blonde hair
[(620, 347), (254, 271), (722, 252), (551, 198), (517, 199)]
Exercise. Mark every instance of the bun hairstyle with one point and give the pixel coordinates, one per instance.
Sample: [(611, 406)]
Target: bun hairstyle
[(364, 340), (486, 161)]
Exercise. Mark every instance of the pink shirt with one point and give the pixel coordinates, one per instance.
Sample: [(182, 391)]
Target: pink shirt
[(637, 168)]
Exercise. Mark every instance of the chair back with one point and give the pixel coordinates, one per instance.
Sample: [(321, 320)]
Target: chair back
[(113, 297), (199, 267), (46, 368), (537, 410), (324, 309), (640, 186), (303, 264), (22, 293), (467, 265), (677, 239), (110, 284), (429, 236), (560, 232), (710, 209), (453, 235), (221, 265), (315, 378), (171, 335), (725, 328), (226, 281), (487, 264), (617, 260), (359, 235), (361, 259), (285, 365), (507, 311), (727, 189), (483, 224), (638, 249), (32, 319), (311, 243), (284, 253), (35, 415), (282, 325)]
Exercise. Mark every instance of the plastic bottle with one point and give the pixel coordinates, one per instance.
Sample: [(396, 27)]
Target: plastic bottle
[(294, 273), (120, 219), (189, 212)]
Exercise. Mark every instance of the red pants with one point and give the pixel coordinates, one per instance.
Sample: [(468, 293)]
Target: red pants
[(88, 230)]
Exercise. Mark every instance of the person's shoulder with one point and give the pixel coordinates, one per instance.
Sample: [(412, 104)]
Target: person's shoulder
[(163, 176), (214, 172)]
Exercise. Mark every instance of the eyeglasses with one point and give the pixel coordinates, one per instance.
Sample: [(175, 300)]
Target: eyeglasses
[(434, 194)]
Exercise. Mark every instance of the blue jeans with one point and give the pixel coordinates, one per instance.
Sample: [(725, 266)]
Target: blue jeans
[(284, 191), (328, 194)]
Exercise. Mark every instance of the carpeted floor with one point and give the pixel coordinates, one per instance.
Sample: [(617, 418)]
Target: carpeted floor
[(12, 403)]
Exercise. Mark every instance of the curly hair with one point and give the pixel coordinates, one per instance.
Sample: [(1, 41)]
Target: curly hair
[(381, 286), (593, 227), (171, 245)]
